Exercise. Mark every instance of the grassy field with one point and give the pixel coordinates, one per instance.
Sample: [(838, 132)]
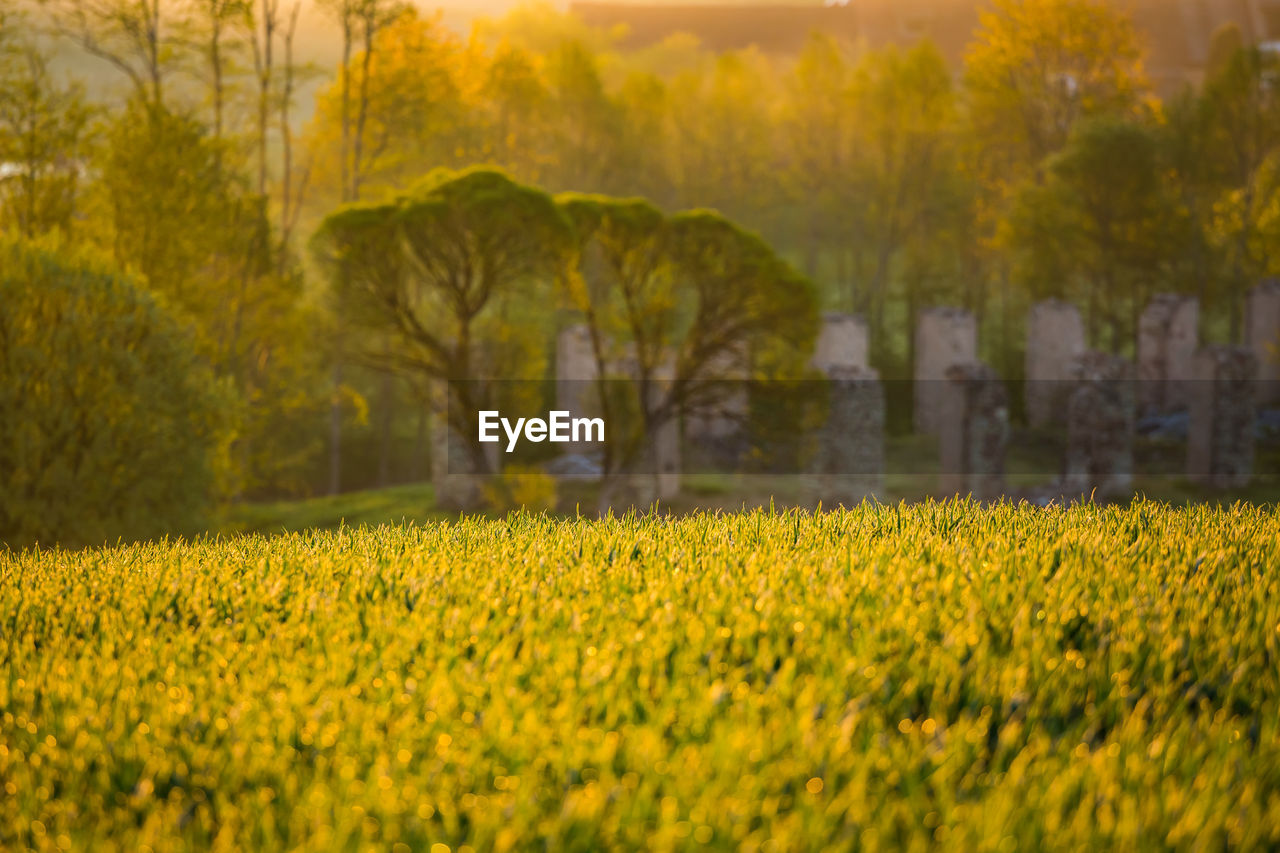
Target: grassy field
[(887, 678)]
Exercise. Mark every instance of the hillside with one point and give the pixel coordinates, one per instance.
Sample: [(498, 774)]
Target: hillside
[(888, 678)]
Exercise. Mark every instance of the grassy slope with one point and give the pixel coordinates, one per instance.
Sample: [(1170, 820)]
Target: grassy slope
[(1098, 677), (1030, 463), (396, 505)]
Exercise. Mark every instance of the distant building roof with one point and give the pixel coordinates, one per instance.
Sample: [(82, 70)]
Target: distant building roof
[(1177, 32)]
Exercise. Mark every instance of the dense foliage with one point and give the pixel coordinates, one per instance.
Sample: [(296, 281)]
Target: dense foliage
[(145, 181), (1043, 159), (448, 278), (894, 178), (111, 424), (887, 677)]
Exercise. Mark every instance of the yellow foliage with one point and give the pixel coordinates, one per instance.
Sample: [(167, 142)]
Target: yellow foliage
[(520, 487)]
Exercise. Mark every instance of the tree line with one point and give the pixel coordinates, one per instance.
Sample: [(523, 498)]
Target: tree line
[(1047, 166), (456, 283)]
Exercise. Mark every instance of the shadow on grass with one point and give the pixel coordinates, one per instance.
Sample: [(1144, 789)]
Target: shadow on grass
[(1031, 464), (395, 505)]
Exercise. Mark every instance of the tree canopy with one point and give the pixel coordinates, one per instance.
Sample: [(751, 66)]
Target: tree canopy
[(455, 273), (113, 427), (675, 306)]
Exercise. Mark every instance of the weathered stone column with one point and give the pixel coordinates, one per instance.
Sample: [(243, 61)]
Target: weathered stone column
[(716, 427), (1055, 338), (666, 443), (1168, 335), (576, 375), (454, 480), (841, 343), (1100, 413), (1262, 336), (944, 337), (973, 431), (849, 457), (1220, 432), (656, 473)]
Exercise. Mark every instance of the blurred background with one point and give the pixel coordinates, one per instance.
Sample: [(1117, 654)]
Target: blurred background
[(196, 334)]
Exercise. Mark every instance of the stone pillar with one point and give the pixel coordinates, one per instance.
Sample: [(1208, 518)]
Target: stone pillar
[(1168, 332), (576, 374), (1055, 338), (1262, 336), (974, 429), (849, 459), (655, 473), (944, 337), (453, 477), (1220, 432), (1100, 413), (716, 426), (666, 443), (842, 342)]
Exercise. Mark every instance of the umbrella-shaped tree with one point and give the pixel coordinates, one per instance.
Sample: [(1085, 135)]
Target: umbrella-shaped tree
[(690, 299), (456, 273)]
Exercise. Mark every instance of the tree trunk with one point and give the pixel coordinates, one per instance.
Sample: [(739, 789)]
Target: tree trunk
[(264, 61), (335, 432), (1006, 320), (1091, 314), (287, 205), (878, 293), (913, 301), (335, 408), (215, 66), (344, 162), (842, 273), (416, 466), (387, 404), (371, 27), (1239, 279)]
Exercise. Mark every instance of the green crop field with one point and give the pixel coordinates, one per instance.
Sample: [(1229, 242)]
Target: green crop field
[(901, 677)]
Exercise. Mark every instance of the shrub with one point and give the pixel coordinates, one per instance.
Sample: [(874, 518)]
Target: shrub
[(111, 426), (520, 487)]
